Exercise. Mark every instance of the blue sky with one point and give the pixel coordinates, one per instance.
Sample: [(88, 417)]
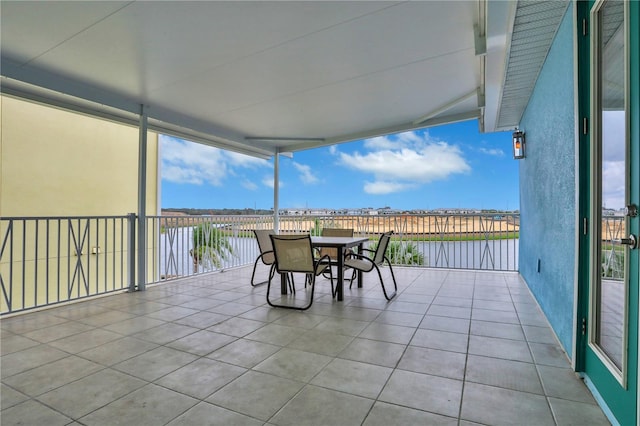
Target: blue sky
[(452, 166)]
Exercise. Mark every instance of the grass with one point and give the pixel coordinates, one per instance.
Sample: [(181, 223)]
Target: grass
[(479, 236), (462, 237)]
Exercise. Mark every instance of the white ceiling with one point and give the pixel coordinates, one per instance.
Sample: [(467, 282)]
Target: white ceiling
[(266, 76)]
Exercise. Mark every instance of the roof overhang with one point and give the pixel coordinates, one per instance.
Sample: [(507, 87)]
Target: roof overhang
[(263, 77), (518, 41)]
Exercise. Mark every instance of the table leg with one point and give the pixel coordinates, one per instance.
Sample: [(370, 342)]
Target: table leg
[(340, 273), (359, 272), (283, 283)]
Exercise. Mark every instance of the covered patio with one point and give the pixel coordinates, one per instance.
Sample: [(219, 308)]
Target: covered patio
[(455, 347), (268, 79)]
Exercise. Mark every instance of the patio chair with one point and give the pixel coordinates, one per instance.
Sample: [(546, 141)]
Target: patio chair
[(362, 263), (266, 254), (267, 257), (294, 254), (334, 232), (330, 251)]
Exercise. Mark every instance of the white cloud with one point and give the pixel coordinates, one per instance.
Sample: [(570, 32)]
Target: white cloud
[(194, 163), (614, 151), (246, 161), (614, 135), (333, 149), (181, 175), (184, 162), (613, 184), (494, 151), (249, 185), (405, 161), (401, 140), (379, 142), (306, 175), (268, 181), (412, 138), (379, 187), (431, 162)]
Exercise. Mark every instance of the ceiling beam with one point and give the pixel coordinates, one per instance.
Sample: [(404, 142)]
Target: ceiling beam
[(43, 81), (210, 140), (278, 140), (480, 41), (446, 107), (21, 90), (33, 93), (383, 131)]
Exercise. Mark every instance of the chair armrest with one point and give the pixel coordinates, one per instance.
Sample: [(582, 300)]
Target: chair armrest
[(266, 252), (325, 257), (358, 256), (350, 253), (262, 255)]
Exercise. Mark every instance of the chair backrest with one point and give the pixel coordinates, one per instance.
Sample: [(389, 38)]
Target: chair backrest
[(265, 246), (334, 232), (378, 257), (293, 253)]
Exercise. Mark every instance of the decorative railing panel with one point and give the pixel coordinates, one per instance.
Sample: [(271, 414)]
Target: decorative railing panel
[(49, 260), (45, 260), (441, 241), (613, 252)]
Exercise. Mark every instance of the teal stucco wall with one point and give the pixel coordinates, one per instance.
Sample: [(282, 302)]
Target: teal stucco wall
[(548, 189)]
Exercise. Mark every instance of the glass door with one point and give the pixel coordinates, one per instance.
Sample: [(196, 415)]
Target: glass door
[(612, 324)]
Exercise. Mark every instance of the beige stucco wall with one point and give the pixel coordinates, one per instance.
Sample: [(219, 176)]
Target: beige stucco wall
[(57, 163)]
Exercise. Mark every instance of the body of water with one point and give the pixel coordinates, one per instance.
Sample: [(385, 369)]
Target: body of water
[(500, 255)]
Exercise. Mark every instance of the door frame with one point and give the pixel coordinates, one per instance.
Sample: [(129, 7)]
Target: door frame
[(600, 380)]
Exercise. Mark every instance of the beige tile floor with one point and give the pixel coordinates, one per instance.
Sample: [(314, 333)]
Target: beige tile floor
[(453, 348)]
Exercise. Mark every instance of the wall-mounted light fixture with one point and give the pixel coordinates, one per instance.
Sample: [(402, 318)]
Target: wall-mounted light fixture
[(518, 144)]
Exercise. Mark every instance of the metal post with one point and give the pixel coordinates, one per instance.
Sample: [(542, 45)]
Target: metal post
[(142, 200), (131, 249), (276, 192)]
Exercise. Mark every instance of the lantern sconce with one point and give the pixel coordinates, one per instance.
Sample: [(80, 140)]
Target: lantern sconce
[(518, 144)]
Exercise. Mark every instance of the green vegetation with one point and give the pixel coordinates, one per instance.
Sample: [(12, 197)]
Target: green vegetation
[(222, 212), (462, 237), (316, 231), (613, 262), (210, 246), (403, 253)]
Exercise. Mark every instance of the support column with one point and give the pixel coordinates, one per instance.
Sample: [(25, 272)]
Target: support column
[(142, 200), (131, 250), (276, 191)]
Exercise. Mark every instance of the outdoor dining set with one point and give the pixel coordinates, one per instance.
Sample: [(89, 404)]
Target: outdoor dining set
[(312, 256)]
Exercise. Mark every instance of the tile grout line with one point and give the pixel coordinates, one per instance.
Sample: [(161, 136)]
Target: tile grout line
[(395, 368), (544, 390), (466, 358), (477, 285)]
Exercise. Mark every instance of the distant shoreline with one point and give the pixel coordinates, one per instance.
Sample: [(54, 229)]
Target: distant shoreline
[(324, 212), (421, 227)]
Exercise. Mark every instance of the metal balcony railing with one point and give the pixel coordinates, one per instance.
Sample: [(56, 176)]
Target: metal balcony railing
[(48, 260), (613, 252)]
